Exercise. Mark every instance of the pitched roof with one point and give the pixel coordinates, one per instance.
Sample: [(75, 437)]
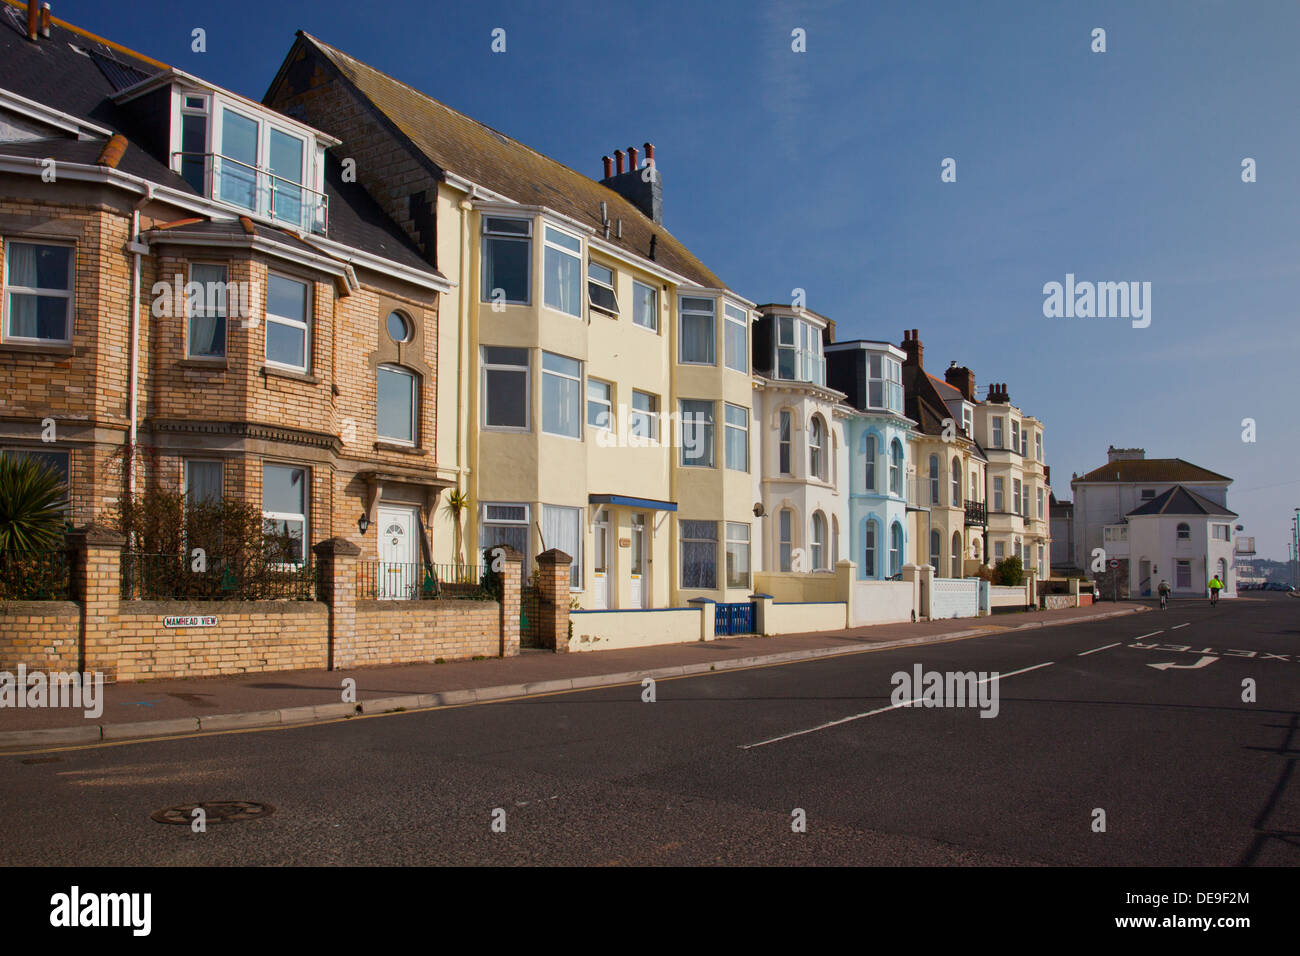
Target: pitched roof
[(1150, 469), (944, 390), (455, 143), (1181, 501)]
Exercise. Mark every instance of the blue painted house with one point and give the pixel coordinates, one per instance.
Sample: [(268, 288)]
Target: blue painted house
[(870, 374)]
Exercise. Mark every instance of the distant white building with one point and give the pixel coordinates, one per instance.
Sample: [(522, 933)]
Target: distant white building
[(1159, 518)]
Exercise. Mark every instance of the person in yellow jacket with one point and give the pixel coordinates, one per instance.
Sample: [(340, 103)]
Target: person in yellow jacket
[(1215, 586)]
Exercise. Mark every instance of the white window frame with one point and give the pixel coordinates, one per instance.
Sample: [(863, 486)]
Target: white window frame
[(526, 237), (305, 517), (486, 522), (575, 569), (561, 249), (996, 427), (817, 541), (785, 442), (613, 278), (999, 494), (728, 427), (311, 171), (785, 540), (682, 312), (527, 369), (733, 539), (817, 451), (733, 316), (712, 430), (415, 405), (289, 322), (650, 416), (683, 540), (637, 288), (607, 403), (1038, 446), (582, 394), (69, 294)]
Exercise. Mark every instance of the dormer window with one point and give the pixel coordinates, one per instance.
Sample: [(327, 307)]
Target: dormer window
[(799, 351), (262, 164), (885, 383)]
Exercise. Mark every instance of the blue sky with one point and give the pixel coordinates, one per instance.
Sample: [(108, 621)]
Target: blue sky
[(820, 170)]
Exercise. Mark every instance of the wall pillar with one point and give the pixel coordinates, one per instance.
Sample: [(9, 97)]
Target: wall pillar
[(336, 564), (512, 575), (95, 565), (844, 572), (709, 617), (553, 604)]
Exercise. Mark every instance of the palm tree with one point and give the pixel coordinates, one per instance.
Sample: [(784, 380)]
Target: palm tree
[(457, 503), (32, 495)]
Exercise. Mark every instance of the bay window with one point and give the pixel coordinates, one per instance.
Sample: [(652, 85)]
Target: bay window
[(697, 433), (507, 260), (562, 529), (736, 338), (505, 388), (600, 289), (697, 330), (206, 325), (287, 329), (737, 437), (284, 507), (737, 555), (699, 554), (561, 395), (562, 265)]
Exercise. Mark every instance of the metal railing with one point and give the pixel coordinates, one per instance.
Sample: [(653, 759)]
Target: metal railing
[(976, 513), (401, 581), (258, 190), (180, 577), (34, 576)]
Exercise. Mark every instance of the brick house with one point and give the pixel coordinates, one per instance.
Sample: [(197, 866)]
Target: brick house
[(196, 296)]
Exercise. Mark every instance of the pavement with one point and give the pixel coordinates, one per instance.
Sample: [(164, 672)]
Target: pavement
[(166, 708)]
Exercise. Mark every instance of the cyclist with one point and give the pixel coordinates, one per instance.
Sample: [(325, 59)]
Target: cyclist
[(1164, 594), (1215, 587)]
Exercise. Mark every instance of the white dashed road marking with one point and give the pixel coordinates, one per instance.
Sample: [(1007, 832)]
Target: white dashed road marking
[(1096, 649)]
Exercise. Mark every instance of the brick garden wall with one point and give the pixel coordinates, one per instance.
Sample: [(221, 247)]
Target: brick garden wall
[(403, 632), (249, 637), (44, 635)]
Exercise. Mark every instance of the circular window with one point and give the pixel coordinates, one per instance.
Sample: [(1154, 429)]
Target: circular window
[(399, 327)]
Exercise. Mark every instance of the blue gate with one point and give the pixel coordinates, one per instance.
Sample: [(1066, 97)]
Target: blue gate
[(733, 618)]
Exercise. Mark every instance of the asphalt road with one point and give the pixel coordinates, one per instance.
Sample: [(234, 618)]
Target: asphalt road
[(713, 770)]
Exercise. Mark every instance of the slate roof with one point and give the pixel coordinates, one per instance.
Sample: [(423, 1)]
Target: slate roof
[(1182, 501), (455, 143), (77, 73), (1150, 470)]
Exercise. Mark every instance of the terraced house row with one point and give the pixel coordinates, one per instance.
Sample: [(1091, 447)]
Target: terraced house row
[(415, 304)]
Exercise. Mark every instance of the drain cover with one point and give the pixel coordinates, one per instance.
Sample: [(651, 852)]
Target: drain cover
[(219, 811)]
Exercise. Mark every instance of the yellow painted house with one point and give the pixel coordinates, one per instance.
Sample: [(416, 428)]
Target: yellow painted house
[(593, 384)]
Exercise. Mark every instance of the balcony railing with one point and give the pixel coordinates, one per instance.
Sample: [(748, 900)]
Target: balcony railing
[(256, 190), (977, 513)]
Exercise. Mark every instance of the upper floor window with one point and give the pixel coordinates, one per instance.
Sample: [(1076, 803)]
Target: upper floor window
[(697, 433), (563, 266), (287, 329), (645, 306), (1040, 504), (262, 167), (785, 445), (997, 431), (600, 289), (207, 312), (956, 483), (817, 448), (505, 388), (507, 260), (561, 395), (1148, 494), (936, 480), (737, 437), (1221, 531), (600, 404), (799, 351), (1024, 443), (736, 339), (895, 550), (999, 494), (870, 459), (398, 398), (643, 417), (1184, 532), (968, 421), (1038, 446), (896, 468), (884, 383), (1015, 495), (697, 330), (194, 141), (38, 292)]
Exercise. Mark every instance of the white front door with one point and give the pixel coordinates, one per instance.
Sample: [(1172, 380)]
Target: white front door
[(399, 563), (640, 582), (601, 560)]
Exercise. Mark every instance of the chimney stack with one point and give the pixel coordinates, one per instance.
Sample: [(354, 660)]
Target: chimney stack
[(913, 347), (962, 379), (33, 20), (644, 191)]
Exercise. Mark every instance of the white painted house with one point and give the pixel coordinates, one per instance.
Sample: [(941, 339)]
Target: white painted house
[(1134, 508)]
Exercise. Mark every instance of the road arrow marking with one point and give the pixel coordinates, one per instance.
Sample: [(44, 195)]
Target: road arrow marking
[(1168, 665)]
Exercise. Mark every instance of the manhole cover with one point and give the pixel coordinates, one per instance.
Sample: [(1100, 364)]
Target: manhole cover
[(220, 811), (42, 760)]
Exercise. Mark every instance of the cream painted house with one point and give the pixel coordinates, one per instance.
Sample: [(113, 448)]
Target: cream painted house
[(799, 483), (593, 384)]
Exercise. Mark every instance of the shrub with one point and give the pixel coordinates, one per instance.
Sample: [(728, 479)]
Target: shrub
[(31, 505), (1009, 572)]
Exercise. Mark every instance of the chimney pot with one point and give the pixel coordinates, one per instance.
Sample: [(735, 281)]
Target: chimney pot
[(45, 20), (631, 157), (649, 152), (618, 160), (33, 20), (609, 166)]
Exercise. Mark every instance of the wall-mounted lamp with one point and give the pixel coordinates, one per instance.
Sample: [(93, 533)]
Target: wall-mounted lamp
[(363, 523)]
